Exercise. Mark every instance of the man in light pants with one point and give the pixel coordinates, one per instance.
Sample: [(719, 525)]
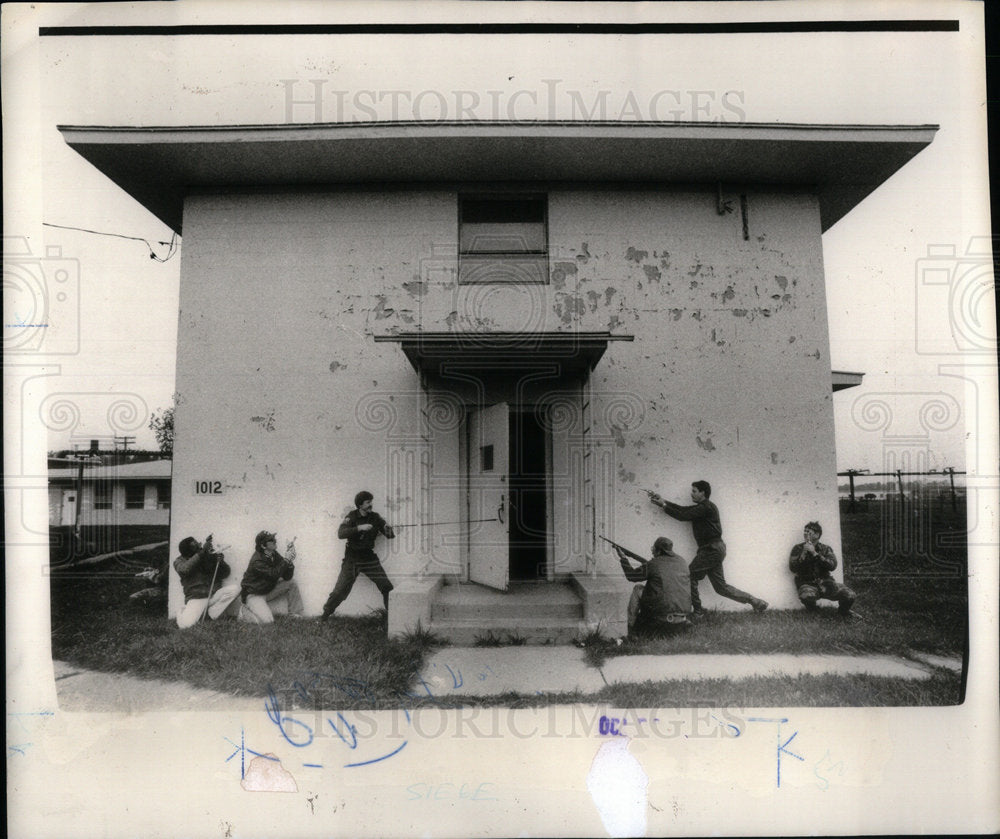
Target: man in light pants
[(202, 571), (268, 578)]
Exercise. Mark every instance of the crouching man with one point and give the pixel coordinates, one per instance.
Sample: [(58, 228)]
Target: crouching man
[(202, 572), (811, 562), (268, 579), (663, 605)]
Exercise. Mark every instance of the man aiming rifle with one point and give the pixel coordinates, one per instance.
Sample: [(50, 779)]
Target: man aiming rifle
[(661, 603)]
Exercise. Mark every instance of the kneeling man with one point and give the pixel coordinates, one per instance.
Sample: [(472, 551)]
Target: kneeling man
[(268, 578), (663, 604), (202, 571), (811, 562)]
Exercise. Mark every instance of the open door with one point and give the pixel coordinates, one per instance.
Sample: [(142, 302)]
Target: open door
[(489, 457)]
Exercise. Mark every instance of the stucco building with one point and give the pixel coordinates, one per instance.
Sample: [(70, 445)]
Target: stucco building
[(511, 329)]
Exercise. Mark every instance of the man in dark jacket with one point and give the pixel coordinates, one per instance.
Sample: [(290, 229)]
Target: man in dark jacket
[(360, 528), (202, 571), (707, 528), (663, 604), (268, 578), (811, 562)]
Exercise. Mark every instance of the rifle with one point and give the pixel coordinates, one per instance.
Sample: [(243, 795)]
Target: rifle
[(218, 559), (641, 560)]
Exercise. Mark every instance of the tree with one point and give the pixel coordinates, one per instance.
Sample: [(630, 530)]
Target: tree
[(161, 423)]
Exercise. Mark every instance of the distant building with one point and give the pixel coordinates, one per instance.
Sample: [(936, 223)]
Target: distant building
[(130, 493)]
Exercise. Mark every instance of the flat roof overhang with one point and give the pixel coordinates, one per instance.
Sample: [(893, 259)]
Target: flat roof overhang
[(843, 379), (437, 352), (158, 166)]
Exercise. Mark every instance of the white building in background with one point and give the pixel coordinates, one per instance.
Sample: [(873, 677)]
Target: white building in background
[(122, 495), (511, 328)]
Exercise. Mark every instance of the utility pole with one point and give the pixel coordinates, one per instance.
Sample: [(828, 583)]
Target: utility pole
[(951, 475), (125, 441)]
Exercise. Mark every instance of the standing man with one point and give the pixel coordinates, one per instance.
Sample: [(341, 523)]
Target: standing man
[(811, 562), (663, 604), (707, 529), (202, 571), (268, 578), (360, 528)]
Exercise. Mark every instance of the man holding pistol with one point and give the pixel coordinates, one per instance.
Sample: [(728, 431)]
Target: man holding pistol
[(811, 562), (360, 528), (707, 529)]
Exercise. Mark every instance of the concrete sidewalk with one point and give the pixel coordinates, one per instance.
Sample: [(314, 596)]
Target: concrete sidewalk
[(491, 671), (494, 671), (86, 690)]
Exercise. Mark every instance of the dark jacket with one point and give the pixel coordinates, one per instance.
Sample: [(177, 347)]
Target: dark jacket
[(196, 574), (667, 593), (809, 568), (704, 517), (263, 574), (358, 541)]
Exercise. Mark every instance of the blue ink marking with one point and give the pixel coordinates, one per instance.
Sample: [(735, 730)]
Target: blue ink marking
[(735, 728), (457, 681), (313, 765), (781, 746), (18, 714), (834, 767), (352, 730), (242, 750), (377, 759), (274, 714), (19, 748)]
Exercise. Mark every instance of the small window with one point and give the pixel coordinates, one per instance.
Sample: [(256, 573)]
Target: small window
[(163, 496), (486, 458), (102, 495), (135, 495), (503, 239)]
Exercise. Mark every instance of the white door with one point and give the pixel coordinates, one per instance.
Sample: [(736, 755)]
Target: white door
[(489, 457), (69, 506)]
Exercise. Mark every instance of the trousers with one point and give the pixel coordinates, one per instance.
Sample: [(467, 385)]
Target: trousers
[(708, 563), (257, 609), (217, 604), (358, 562)]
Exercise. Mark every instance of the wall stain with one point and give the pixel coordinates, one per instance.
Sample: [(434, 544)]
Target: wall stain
[(728, 294), (675, 314), (609, 292), (782, 282), (336, 365), (267, 423), (774, 458), (652, 273), (635, 255), (381, 311), (705, 444), (584, 255), (416, 288)]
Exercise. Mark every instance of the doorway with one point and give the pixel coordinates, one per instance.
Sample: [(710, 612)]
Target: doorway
[(508, 469), (529, 497)]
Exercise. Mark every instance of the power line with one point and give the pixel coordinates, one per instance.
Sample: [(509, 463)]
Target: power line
[(171, 245)]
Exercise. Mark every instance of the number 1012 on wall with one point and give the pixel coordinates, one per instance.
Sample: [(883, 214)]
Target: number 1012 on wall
[(208, 488)]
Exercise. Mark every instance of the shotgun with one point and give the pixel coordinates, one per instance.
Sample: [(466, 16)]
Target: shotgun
[(641, 560)]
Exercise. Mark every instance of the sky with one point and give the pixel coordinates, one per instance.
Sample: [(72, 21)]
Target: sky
[(886, 319)]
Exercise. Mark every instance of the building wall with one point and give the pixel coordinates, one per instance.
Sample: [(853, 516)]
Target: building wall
[(288, 403), (115, 515)]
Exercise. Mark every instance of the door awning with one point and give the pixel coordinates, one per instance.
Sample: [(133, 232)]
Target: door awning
[(429, 352)]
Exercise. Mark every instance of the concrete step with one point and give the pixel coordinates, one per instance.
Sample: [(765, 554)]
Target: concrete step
[(503, 610), (505, 630)]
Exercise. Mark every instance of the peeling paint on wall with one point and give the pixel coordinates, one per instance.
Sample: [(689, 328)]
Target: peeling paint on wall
[(584, 255), (266, 423), (636, 256), (705, 444), (652, 273), (336, 365), (416, 288)]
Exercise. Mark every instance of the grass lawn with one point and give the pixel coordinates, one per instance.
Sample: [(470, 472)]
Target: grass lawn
[(915, 603)]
